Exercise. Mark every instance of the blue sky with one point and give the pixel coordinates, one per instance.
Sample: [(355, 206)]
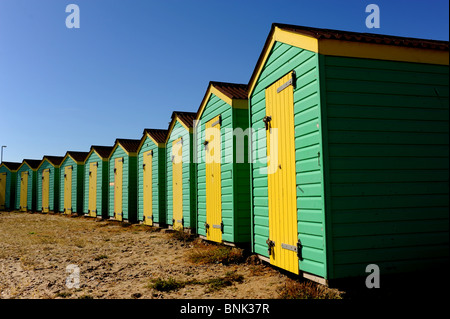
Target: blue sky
[(132, 63)]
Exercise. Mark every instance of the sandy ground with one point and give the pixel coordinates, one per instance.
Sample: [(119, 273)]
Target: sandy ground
[(114, 262)]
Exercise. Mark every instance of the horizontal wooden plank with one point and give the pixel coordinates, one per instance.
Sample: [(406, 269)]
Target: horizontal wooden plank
[(390, 241), (381, 137), (339, 85), (388, 125), (348, 99), (393, 201), (381, 176), (377, 150), (386, 112), (390, 228), (385, 65), (388, 214), (384, 163), (386, 76), (370, 189)]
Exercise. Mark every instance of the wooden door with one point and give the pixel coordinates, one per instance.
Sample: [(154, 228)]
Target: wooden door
[(283, 233)]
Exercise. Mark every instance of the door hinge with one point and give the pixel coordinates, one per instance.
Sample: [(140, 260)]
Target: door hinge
[(206, 227), (299, 250), (266, 121), (270, 245)]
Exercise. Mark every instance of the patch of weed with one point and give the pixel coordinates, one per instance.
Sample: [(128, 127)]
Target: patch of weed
[(166, 285), (225, 281), (217, 255), (294, 289)]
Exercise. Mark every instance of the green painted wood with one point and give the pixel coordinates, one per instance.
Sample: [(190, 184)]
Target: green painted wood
[(188, 176), (387, 135), (53, 191), (129, 192), (235, 178), (10, 191), (31, 192), (308, 143), (158, 181), (77, 185), (102, 185)]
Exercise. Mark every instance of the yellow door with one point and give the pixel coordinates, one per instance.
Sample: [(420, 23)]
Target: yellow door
[(118, 181), (177, 183), (45, 190), (68, 190), (23, 191), (92, 205), (283, 234), (2, 190), (148, 189), (214, 224)]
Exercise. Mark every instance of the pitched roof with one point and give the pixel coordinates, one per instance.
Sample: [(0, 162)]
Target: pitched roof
[(359, 45), (158, 135), (186, 117), (320, 33), (34, 164), (103, 151), (12, 166), (131, 146), (54, 160), (232, 90), (78, 156)]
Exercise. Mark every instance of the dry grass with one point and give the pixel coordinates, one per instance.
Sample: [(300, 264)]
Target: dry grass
[(294, 289), (205, 253), (212, 284)]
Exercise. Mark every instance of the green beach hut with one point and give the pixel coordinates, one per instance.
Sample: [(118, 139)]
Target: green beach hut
[(48, 184), (223, 169), (96, 182), (123, 180), (8, 173), (71, 183), (351, 130), (152, 178), (26, 185), (180, 173)]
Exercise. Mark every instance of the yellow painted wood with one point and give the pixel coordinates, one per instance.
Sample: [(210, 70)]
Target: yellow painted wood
[(213, 180), (148, 187), (92, 206), (281, 175), (68, 190), (45, 190), (118, 188), (2, 190), (177, 183), (23, 191)]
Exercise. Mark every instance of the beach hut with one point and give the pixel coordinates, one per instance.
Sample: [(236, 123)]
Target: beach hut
[(223, 170), (123, 180), (8, 172), (96, 182), (180, 171), (352, 137), (152, 177), (26, 185), (47, 184), (71, 183)]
